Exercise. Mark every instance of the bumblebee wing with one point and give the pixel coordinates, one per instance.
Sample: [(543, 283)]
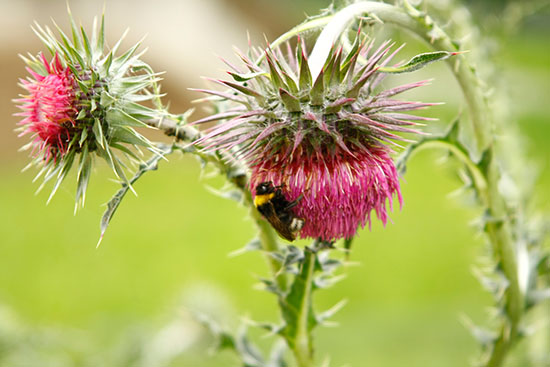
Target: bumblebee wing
[(268, 211)]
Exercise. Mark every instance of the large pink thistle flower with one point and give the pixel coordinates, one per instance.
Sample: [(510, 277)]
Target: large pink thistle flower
[(49, 109), (321, 141)]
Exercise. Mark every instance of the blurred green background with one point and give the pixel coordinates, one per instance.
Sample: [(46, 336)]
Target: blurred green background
[(132, 301)]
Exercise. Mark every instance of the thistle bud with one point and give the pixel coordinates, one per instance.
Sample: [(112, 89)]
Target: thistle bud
[(85, 102), (324, 140)]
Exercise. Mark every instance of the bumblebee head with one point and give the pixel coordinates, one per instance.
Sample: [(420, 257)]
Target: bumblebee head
[(265, 188)]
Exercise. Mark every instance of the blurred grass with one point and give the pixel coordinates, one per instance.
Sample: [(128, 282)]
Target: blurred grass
[(165, 254)]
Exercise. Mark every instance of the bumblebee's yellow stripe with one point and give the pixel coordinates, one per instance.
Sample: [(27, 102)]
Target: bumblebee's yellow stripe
[(262, 199)]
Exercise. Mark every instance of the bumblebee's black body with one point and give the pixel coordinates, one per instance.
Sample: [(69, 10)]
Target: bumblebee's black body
[(272, 204)]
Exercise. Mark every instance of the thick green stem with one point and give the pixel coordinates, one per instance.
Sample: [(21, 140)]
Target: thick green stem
[(498, 226), (303, 345)]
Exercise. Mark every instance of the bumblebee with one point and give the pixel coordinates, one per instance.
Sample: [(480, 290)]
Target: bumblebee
[(272, 204)]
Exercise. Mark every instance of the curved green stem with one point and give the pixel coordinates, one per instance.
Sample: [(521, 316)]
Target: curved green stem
[(498, 226), (480, 182)]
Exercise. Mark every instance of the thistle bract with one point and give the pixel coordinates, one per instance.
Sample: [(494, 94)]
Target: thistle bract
[(85, 102), (323, 138)]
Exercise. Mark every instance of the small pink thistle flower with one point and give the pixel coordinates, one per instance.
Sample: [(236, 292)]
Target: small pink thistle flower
[(49, 109), (86, 103), (322, 141)]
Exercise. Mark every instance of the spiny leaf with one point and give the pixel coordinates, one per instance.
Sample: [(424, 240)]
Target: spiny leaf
[(98, 133), (245, 77), (248, 352), (270, 286), (100, 44), (483, 336), (224, 340), (87, 45), (253, 245), (324, 316), (74, 29), (84, 172), (65, 168), (245, 90), (115, 201), (418, 62), (277, 356)]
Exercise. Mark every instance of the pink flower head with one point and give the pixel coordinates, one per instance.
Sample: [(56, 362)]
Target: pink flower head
[(49, 108), (321, 141), (86, 103), (335, 194)]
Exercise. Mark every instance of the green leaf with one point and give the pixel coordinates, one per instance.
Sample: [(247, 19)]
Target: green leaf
[(122, 59), (114, 203), (277, 355), (224, 340), (248, 352), (324, 316), (271, 286), (107, 62), (292, 255), (418, 62), (70, 49), (98, 133), (87, 46), (483, 336), (83, 136), (245, 90), (84, 173), (74, 29), (100, 44), (65, 165)]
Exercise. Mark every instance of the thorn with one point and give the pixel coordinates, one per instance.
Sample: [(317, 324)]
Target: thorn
[(100, 239)]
